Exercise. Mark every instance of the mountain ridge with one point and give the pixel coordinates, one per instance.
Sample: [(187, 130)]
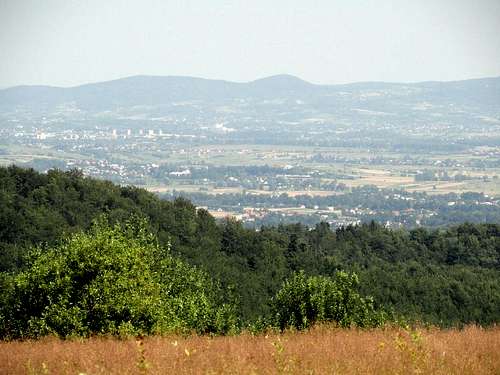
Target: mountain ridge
[(154, 91), (258, 80)]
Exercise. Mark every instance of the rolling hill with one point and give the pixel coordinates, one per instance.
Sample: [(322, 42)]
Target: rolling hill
[(475, 94)]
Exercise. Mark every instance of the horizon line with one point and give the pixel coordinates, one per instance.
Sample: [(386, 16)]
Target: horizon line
[(291, 76)]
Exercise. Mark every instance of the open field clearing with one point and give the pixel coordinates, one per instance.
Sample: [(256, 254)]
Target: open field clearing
[(215, 191), (443, 187), (381, 181), (321, 350), (221, 214)]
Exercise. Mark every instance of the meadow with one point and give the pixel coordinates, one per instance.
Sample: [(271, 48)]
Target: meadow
[(320, 350)]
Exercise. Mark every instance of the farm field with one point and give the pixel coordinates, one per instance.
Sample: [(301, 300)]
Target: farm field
[(321, 350), (285, 181), (215, 191), (382, 168)]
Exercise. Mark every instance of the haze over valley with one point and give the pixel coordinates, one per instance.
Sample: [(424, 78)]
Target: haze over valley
[(277, 149)]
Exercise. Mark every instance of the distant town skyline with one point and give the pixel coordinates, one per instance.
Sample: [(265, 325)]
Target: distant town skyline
[(68, 43)]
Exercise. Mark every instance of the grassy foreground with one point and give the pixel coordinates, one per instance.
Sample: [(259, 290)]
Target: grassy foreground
[(321, 350)]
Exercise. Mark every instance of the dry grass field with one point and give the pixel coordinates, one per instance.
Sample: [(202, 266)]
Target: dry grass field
[(321, 350)]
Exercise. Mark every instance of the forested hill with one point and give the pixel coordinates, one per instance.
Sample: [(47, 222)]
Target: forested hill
[(446, 276), (157, 91)]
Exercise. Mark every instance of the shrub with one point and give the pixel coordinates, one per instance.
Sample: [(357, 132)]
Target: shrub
[(303, 301), (111, 280)]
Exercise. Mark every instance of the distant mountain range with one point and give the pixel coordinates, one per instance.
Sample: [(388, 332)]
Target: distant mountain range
[(478, 95)]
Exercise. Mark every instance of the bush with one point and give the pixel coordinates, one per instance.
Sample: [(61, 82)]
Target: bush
[(303, 301), (111, 280)]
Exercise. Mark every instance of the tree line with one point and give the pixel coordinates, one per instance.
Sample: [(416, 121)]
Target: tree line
[(447, 276)]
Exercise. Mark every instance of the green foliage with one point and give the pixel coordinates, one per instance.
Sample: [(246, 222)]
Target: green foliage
[(191, 300), (303, 301), (111, 280), (447, 276)]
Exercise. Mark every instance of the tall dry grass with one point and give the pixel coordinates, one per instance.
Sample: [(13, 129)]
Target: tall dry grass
[(321, 350)]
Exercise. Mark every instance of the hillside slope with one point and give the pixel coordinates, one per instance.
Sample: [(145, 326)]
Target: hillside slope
[(443, 277), (481, 94)]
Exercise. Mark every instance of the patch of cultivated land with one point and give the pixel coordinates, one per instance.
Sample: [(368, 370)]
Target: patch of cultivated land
[(231, 190), (321, 350)]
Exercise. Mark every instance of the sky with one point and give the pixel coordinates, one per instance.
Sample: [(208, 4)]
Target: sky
[(67, 43)]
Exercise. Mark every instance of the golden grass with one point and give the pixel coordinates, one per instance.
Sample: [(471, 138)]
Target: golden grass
[(322, 350)]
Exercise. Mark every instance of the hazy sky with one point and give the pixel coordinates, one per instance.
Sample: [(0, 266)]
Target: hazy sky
[(65, 43)]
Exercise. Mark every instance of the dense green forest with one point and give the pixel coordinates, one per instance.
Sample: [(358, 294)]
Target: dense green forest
[(446, 276)]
